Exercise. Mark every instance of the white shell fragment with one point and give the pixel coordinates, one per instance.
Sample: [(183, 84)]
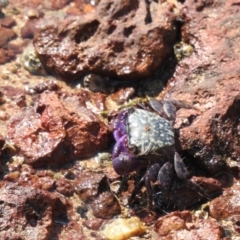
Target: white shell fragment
[(123, 229)]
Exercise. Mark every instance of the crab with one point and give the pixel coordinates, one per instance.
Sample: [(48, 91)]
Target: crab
[(146, 139)]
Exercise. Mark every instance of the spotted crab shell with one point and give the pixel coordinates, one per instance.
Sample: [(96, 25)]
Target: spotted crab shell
[(148, 132)]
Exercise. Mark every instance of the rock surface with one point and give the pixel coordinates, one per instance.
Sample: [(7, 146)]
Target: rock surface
[(125, 39), (56, 133), (41, 214), (209, 78), (228, 205), (182, 225), (48, 123), (93, 189), (46, 4)]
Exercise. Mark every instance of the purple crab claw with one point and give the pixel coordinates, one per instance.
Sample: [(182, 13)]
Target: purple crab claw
[(123, 163)]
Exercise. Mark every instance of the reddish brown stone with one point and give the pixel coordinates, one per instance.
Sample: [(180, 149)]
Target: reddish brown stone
[(93, 189), (47, 85), (87, 185), (125, 39), (6, 55), (17, 47), (227, 205), (6, 35), (72, 231), (36, 144), (64, 186), (40, 213), (209, 78), (123, 95), (105, 206), (8, 22), (29, 29), (47, 183), (84, 130), (182, 225), (57, 134), (51, 5), (93, 224), (81, 7)]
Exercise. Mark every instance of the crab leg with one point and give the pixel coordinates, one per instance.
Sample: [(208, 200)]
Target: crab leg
[(183, 174)]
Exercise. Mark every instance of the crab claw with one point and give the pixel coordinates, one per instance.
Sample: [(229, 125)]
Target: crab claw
[(180, 167), (122, 164)]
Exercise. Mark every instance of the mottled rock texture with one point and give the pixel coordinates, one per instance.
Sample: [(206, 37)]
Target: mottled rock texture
[(123, 39), (93, 189), (41, 214), (209, 78), (57, 131), (46, 4), (182, 225)]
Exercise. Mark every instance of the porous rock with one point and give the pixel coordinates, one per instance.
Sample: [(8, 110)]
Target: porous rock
[(6, 35), (183, 225), (45, 4), (124, 39), (93, 189), (54, 134), (42, 215), (227, 205), (209, 78)]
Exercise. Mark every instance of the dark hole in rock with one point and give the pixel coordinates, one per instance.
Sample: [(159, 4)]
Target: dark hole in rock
[(60, 213), (128, 7), (34, 211), (128, 31), (118, 47), (109, 6), (87, 31), (32, 219), (238, 223), (40, 109), (62, 219), (69, 125), (69, 175), (111, 29), (103, 185), (94, 129), (148, 18)]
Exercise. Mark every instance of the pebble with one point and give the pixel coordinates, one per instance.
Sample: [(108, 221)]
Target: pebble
[(123, 229)]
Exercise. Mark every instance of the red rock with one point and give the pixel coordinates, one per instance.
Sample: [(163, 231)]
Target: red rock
[(120, 39), (209, 78), (7, 22), (6, 55), (84, 130), (93, 224), (37, 210), (93, 189), (87, 185), (182, 225), (64, 186), (227, 205), (57, 134), (47, 85), (29, 29), (46, 4), (6, 35), (105, 206), (47, 183), (72, 231), (36, 144)]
